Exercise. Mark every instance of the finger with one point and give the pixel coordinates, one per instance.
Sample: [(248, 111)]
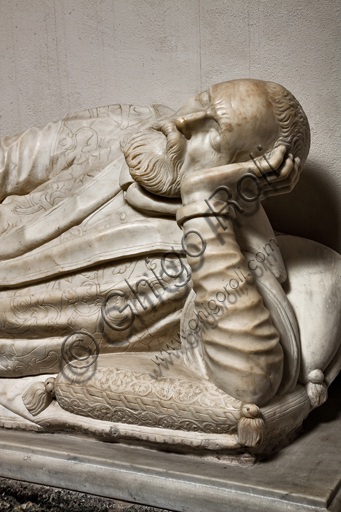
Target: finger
[(294, 174), (264, 165), (298, 164), (273, 193), (276, 187), (286, 168), (275, 160), (298, 169), (284, 173), (283, 188)]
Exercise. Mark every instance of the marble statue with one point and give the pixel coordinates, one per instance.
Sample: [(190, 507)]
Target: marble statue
[(144, 294)]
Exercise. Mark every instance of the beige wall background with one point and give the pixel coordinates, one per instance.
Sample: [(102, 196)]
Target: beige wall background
[(59, 56)]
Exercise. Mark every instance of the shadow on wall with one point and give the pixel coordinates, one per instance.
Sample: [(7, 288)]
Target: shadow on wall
[(310, 210)]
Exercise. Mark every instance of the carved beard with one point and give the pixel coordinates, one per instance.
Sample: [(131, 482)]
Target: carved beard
[(154, 156)]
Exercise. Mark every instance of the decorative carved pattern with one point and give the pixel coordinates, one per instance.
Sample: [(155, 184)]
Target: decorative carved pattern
[(136, 398), (34, 324)]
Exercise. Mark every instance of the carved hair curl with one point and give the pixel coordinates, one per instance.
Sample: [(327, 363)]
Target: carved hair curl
[(294, 130)]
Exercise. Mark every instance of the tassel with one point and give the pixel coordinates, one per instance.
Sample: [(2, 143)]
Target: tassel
[(316, 389), (39, 396), (251, 426)]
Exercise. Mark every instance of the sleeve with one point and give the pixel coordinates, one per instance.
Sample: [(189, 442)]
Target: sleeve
[(240, 348), (25, 159)]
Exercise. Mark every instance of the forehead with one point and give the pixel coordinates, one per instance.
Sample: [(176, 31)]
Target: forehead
[(242, 90)]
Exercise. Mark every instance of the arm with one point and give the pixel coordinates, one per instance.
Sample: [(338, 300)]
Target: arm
[(242, 352)]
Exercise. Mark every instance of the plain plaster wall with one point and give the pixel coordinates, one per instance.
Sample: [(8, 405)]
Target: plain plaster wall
[(59, 56)]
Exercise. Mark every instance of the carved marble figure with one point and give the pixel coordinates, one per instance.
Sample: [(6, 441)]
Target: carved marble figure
[(144, 294)]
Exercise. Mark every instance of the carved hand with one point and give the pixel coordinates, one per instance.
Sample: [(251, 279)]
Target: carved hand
[(285, 178), (199, 185)]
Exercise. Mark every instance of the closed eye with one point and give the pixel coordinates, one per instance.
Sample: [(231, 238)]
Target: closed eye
[(204, 99), (215, 139)]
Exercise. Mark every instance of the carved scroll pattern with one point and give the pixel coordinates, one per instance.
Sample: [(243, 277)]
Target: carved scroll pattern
[(33, 325), (84, 143), (135, 398)]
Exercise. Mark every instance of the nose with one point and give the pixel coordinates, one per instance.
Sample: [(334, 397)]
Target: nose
[(185, 124)]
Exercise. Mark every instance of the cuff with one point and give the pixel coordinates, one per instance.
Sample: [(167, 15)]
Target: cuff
[(214, 208)]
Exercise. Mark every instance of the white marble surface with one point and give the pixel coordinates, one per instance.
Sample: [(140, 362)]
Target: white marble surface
[(94, 206)]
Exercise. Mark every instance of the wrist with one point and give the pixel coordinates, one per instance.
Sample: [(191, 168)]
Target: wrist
[(205, 208)]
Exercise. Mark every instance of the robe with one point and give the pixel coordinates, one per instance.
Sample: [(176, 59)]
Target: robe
[(70, 240)]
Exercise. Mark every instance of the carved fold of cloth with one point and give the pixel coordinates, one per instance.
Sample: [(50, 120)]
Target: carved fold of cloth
[(69, 239)]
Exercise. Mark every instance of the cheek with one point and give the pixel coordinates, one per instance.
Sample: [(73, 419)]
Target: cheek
[(198, 145), (202, 154)]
